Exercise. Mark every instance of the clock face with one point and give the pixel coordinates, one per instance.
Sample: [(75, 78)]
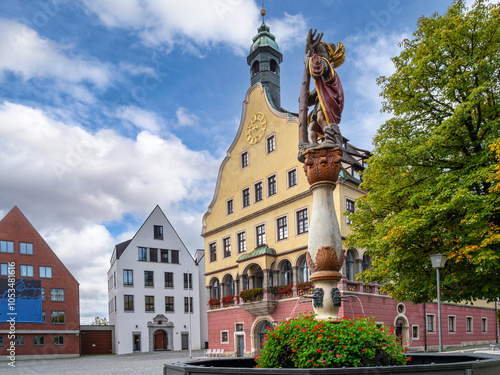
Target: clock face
[(256, 128)]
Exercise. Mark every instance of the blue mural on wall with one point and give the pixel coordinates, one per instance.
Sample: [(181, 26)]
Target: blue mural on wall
[(21, 299)]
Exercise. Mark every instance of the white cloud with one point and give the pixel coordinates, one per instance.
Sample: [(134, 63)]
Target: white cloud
[(25, 53), (140, 118), (184, 118), (86, 253), (71, 183), (368, 57), (192, 24), (289, 31)]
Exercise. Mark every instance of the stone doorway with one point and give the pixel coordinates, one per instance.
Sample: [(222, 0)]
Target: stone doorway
[(160, 340)]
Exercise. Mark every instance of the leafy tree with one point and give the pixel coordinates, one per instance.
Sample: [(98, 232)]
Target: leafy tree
[(433, 181), (99, 322)]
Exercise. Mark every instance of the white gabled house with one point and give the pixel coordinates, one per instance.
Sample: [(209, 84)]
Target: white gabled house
[(148, 294)]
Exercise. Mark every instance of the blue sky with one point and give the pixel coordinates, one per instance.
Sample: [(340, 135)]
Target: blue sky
[(108, 108)]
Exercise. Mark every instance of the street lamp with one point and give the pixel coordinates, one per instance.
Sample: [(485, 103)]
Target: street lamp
[(438, 261)]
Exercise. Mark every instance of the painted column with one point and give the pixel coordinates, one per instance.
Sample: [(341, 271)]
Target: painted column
[(325, 255)]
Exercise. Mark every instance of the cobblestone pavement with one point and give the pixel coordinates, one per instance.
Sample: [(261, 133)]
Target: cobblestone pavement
[(128, 364)]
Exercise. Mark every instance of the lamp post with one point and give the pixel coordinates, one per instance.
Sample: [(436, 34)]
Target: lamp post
[(438, 261)]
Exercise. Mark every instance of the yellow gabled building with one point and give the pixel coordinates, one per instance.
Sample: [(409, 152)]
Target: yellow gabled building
[(256, 227)]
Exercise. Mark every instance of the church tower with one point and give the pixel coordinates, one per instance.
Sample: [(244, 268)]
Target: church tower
[(264, 60)]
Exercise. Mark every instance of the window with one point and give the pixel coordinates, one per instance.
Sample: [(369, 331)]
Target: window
[(302, 221), (45, 272), (484, 325), (169, 279), (57, 295), (292, 178), (26, 248), (271, 185), (150, 303), (19, 340), (282, 228), (1, 340), (158, 232), (164, 256), (43, 316), (468, 324), (245, 194), (175, 256), (143, 254), (213, 251), (58, 340), (350, 266), (226, 244), (42, 292), (270, 144), (304, 271), (451, 324), (230, 206), (415, 333), (26, 271), (215, 288), (3, 269), (153, 255), (367, 261), (190, 281), (38, 340), (114, 279), (57, 317), (239, 327), (260, 232), (244, 159), (128, 303), (242, 242), (286, 273), (188, 308), (229, 285), (349, 207), (430, 323), (148, 278), (224, 337), (169, 304), (258, 191), (6, 247), (128, 277)]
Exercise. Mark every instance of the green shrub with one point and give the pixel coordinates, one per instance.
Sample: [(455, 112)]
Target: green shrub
[(305, 342)]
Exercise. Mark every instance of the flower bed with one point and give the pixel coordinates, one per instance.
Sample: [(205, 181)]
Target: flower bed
[(304, 342), (250, 295)]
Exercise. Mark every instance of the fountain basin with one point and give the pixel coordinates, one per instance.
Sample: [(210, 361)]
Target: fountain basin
[(433, 364)]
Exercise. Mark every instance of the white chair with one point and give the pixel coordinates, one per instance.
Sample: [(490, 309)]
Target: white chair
[(221, 353), (216, 353), (208, 353)]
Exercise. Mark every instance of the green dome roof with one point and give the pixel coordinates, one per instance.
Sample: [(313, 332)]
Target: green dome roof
[(264, 38)]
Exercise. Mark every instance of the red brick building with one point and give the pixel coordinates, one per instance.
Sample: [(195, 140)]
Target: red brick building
[(57, 335)]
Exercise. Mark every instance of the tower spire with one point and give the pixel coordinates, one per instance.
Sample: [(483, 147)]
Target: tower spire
[(264, 60)]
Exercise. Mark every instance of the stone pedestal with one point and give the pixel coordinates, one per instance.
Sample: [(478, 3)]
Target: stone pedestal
[(325, 256)]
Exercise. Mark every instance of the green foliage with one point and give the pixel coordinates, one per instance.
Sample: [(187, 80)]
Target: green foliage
[(99, 322), (250, 295), (431, 181), (304, 342)]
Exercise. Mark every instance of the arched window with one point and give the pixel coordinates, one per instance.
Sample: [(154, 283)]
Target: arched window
[(215, 289), (229, 286), (367, 261), (286, 273), (350, 271), (304, 271), (262, 331), (255, 68), (274, 66)]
